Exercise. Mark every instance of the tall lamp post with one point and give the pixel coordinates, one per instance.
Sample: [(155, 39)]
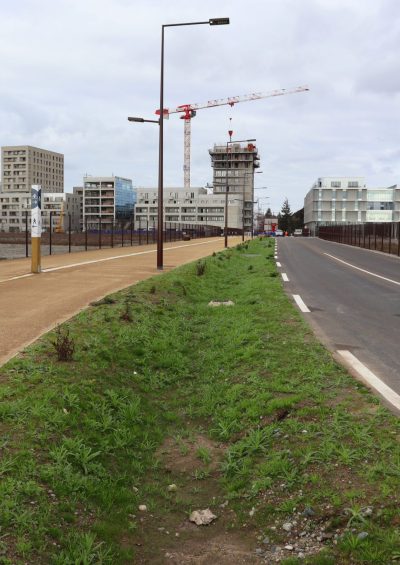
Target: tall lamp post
[(252, 200), (160, 239), (257, 201)]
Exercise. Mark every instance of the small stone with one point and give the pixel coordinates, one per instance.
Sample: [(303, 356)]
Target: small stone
[(202, 517), (252, 512), (135, 489), (289, 547), (259, 551), (367, 511), (266, 541), (287, 526), (300, 555), (172, 488), (143, 508), (362, 535), (308, 512)]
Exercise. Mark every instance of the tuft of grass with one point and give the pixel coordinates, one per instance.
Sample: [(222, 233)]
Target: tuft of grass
[(63, 344), (200, 268)]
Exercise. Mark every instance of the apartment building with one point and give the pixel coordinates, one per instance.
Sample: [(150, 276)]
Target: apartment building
[(74, 208), (15, 207), (106, 199), (191, 206), (349, 200), (233, 168), (24, 165)]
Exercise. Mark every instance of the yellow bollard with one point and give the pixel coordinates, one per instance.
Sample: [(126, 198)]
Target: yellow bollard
[(36, 255)]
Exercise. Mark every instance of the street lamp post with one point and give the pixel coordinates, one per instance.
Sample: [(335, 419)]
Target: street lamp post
[(252, 198), (212, 21)]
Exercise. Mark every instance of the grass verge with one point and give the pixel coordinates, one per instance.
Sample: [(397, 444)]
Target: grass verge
[(177, 405)]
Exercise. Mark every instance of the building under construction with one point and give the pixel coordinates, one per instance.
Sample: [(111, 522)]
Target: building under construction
[(233, 172)]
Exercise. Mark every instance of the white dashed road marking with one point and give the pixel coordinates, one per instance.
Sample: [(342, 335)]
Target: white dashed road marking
[(278, 264), (300, 303), (285, 277)]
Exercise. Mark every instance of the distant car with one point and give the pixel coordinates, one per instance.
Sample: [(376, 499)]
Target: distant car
[(298, 232), (278, 233)]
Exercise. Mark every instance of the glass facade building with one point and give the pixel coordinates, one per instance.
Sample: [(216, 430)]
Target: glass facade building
[(125, 198), (106, 200)]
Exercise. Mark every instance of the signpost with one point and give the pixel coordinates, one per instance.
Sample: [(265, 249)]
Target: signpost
[(36, 227)]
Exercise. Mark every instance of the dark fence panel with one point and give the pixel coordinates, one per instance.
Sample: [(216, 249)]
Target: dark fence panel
[(384, 237), (105, 233)]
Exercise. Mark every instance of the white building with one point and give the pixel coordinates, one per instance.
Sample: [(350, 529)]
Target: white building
[(348, 200), (15, 207), (188, 206)]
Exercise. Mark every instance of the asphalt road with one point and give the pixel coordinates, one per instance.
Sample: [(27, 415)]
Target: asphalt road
[(354, 299)]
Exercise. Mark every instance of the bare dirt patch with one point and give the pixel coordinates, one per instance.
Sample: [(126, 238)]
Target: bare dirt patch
[(185, 455)]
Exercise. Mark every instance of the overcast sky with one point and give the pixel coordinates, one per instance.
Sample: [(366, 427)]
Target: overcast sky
[(73, 70)]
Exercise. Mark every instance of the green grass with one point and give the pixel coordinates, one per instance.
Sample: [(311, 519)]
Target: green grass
[(80, 440)]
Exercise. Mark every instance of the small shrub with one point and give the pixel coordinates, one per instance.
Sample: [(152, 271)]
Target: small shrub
[(105, 300), (274, 274), (152, 289), (200, 268), (126, 314), (250, 268), (64, 345), (214, 254)]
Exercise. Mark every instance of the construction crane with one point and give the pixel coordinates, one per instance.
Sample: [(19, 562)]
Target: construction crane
[(189, 112)]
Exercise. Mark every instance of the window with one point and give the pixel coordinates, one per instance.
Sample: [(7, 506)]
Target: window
[(352, 184), (336, 184)]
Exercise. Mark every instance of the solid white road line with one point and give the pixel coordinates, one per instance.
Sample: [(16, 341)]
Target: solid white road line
[(278, 264), (300, 303), (371, 379), (18, 277), (285, 277), (362, 270)]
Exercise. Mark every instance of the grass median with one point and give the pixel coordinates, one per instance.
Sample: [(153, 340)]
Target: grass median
[(167, 404)]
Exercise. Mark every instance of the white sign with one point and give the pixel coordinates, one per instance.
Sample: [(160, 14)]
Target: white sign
[(36, 211)]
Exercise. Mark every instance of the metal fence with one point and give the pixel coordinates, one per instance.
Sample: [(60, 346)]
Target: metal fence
[(383, 237), (117, 233)]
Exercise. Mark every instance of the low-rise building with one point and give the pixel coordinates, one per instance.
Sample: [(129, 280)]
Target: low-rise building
[(188, 206), (349, 200), (15, 208)]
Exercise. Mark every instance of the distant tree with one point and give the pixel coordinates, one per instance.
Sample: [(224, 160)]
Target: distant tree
[(298, 219), (268, 213), (285, 217)]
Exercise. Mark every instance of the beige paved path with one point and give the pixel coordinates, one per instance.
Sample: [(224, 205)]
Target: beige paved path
[(30, 304)]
